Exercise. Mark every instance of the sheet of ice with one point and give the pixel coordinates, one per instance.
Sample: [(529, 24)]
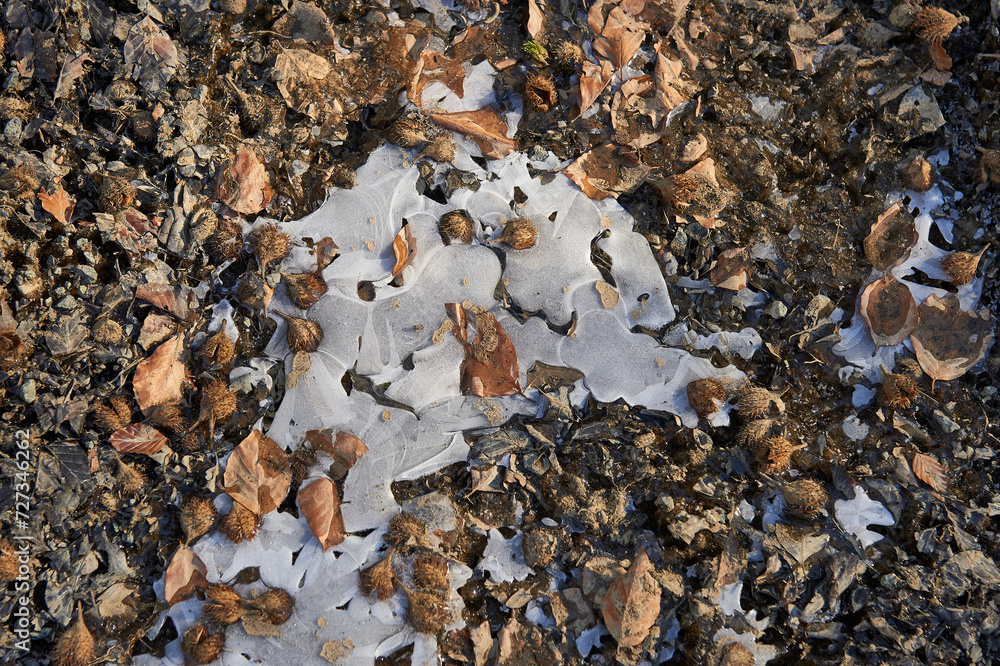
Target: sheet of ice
[(857, 514), (478, 89), (855, 428), (504, 559)]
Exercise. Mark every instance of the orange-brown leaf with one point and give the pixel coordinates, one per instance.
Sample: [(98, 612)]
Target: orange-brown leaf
[(593, 80), (930, 471), (731, 269), (138, 438), (404, 245), (535, 18), (632, 603), (346, 449), (244, 185), (185, 574), (489, 368), (887, 306), (891, 238), (939, 57), (436, 67), (607, 170), (59, 204), (175, 299), (320, 504), (484, 126), (947, 340), (621, 33), (258, 474), (158, 379)]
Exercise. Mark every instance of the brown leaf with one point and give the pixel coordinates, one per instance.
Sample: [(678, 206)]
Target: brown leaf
[(483, 126), (404, 245), (489, 368), (59, 204), (632, 603), (593, 80), (138, 438), (243, 184), (891, 238), (536, 19), (930, 471), (947, 340), (435, 67), (731, 269), (320, 504), (72, 69), (158, 379), (939, 57), (607, 170), (185, 574), (150, 55), (621, 34), (888, 308), (346, 449), (258, 474), (306, 22), (175, 299), (671, 90)]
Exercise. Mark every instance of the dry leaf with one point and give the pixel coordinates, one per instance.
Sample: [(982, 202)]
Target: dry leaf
[(185, 574), (891, 238), (404, 245), (671, 90), (607, 170), (632, 603), (731, 269), (243, 184), (930, 471), (621, 33), (887, 306), (489, 368), (258, 474), (483, 126), (151, 55), (175, 299), (72, 69), (593, 80), (939, 57), (158, 379), (306, 22), (320, 504), (346, 449), (59, 204), (536, 19), (947, 340), (138, 438), (431, 67)]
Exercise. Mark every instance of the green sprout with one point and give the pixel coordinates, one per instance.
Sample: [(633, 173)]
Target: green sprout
[(537, 52)]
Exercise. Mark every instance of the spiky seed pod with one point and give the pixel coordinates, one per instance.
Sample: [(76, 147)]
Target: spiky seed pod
[(130, 480), (144, 126), (379, 578), (567, 55), (539, 547), (269, 244), (409, 131), (20, 182), (197, 516), (224, 606), (540, 92), (217, 401), (300, 460), (755, 402), (405, 532), (899, 390), (805, 497), (116, 193), (428, 612), (934, 24), (76, 646), (191, 442), (430, 573), (705, 395), (961, 266), (989, 165), (755, 432), (107, 331), (918, 174), (201, 646), (456, 225), (732, 653), (519, 233), (167, 416), (240, 524), (115, 415), (276, 606), (773, 455), (302, 335), (305, 289), (227, 241), (217, 350), (441, 148), (8, 561)]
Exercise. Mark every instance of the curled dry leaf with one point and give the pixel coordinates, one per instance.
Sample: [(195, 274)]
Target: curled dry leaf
[(320, 504), (891, 238), (947, 340), (632, 603), (483, 126), (404, 245), (345, 448), (243, 184), (138, 438), (930, 471), (888, 308), (59, 204), (731, 269), (489, 368), (185, 574), (158, 379), (607, 171), (258, 474)]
